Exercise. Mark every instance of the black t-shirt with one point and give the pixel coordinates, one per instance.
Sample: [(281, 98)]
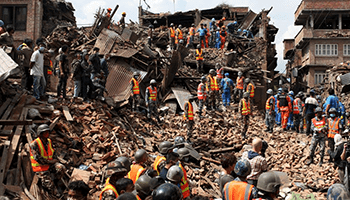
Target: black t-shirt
[(64, 59)]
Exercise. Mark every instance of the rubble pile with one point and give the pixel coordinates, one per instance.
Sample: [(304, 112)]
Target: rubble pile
[(86, 136)]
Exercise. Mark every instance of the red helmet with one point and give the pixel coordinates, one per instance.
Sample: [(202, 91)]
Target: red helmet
[(109, 9), (224, 18)]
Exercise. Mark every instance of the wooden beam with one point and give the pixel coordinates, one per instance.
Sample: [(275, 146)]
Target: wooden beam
[(5, 132), (67, 114), (15, 139), (3, 166), (5, 105), (16, 122), (54, 122), (10, 107)]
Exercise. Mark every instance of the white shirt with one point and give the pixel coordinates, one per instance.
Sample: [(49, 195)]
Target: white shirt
[(38, 68), (311, 100)]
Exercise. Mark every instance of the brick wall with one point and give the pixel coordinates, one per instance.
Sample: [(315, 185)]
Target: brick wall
[(34, 19), (327, 4)]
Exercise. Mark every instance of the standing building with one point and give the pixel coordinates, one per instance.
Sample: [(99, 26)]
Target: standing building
[(322, 42)]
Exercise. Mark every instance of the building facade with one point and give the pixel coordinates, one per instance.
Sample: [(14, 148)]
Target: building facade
[(25, 16), (322, 42)]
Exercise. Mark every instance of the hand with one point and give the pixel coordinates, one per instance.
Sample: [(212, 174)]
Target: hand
[(345, 145), (61, 74), (146, 105), (131, 94)]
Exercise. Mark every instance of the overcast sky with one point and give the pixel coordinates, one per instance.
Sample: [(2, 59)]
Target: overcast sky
[(282, 14)]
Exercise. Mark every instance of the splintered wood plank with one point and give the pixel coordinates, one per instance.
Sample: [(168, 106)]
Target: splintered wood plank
[(3, 166), (9, 108), (4, 106), (15, 139), (67, 114)]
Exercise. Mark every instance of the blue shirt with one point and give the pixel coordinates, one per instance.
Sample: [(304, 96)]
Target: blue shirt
[(276, 109), (226, 83), (212, 25), (341, 109), (218, 35), (202, 32), (333, 101)]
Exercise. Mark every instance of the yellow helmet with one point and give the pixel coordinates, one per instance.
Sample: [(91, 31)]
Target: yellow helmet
[(123, 13)]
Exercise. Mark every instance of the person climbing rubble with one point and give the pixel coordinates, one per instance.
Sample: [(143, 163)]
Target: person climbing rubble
[(270, 111), (189, 117), (152, 100), (226, 85), (213, 89), (284, 106), (135, 91), (139, 166), (245, 112), (202, 94)]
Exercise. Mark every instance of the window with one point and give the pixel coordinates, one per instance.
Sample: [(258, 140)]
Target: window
[(346, 49), (319, 77), (15, 16), (326, 50)]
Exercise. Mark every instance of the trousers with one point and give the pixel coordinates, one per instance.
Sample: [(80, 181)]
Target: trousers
[(284, 116), (62, 85), (290, 123), (297, 119), (270, 120), (320, 140), (226, 97)]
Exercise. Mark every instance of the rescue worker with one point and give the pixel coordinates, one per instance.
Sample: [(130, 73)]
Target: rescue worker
[(207, 35), (270, 111), (192, 32), (199, 58), (337, 192), (202, 33), (219, 72), (213, 89), (212, 27), (184, 184), (109, 11), (297, 111), (223, 35), (250, 88), (172, 159), (44, 160), (178, 34), (308, 110), (114, 171), (125, 162), (143, 187), (290, 124), (189, 117), (221, 22), (125, 185), (226, 85), (217, 38), (269, 184), (152, 100), (174, 175), (122, 20), (167, 191), (138, 167), (228, 163), (239, 189), (172, 36), (318, 127), (164, 148), (284, 106), (202, 94), (278, 114), (245, 112), (135, 91), (334, 127), (239, 86), (332, 101)]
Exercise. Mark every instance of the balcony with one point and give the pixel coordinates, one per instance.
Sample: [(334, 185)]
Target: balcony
[(307, 34)]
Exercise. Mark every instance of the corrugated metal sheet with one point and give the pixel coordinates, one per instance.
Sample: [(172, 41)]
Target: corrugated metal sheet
[(125, 53), (118, 81), (182, 96), (6, 65), (106, 40)]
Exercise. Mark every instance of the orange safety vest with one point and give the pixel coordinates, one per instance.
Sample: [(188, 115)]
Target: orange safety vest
[(213, 84), (219, 74), (189, 111), (268, 103), (152, 93), (246, 107), (109, 187), (319, 124), (180, 35), (236, 190), (192, 31), (47, 155), (172, 32), (251, 91), (333, 128), (239, 83), (135, 88), (200, 57), (135, 172), (156, 163), (296, 106), (200, 93), (185, 187)]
